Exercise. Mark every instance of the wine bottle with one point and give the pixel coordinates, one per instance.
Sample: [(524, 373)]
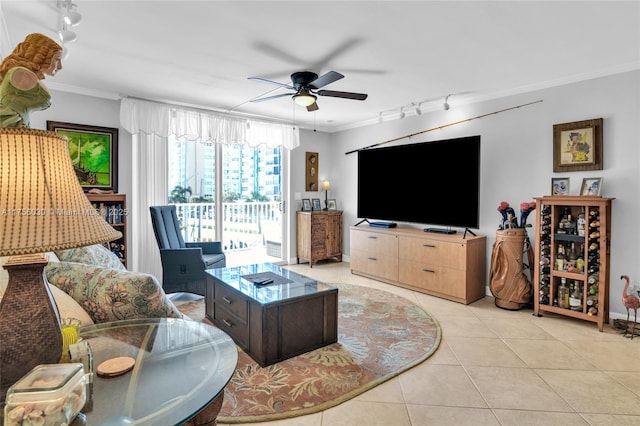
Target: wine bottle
[(575, 300), (573, 257), (560, 258), (563, 294)]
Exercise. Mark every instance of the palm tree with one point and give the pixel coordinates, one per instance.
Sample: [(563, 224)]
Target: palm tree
[(179, 194)]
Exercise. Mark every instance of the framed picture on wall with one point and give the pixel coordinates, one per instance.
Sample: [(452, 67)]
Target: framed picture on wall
[(306, 205), (311, 171), (316, 204), (577, 146), (94, 153)]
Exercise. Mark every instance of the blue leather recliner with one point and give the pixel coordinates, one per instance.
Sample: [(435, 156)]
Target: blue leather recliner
[(183, 263)]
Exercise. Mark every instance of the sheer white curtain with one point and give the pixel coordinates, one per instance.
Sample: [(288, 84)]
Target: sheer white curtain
[(150, 124)]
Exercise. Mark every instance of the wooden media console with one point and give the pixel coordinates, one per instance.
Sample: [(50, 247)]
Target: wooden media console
[(451, 266)]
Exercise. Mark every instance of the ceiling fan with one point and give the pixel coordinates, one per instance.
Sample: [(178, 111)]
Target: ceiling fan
[(306, 85)]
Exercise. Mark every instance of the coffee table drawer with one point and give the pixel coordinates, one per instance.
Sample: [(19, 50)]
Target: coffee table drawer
[(232, 325), (231, 301)]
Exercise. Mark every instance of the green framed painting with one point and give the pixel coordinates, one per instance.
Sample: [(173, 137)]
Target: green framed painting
[(94, 153)]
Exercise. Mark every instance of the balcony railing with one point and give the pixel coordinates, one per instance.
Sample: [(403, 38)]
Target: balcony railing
[(246, 225)]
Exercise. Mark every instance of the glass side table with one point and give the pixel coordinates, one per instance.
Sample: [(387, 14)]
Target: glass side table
[(181, 366)]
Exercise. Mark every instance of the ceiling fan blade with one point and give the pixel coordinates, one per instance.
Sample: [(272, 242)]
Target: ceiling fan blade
[(313, 107), (327, 78), (345, 95), (264, 80), (268, 98)]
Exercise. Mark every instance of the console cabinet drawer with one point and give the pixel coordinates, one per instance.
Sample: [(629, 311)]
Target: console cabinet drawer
[(376, 265), (374, 243), (447, 254), (433, 278)]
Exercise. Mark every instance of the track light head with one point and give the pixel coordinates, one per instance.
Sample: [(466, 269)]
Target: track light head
[(66, 36), (446, 105), (69, 14), (402, 114), (72, 18), (418, 110)]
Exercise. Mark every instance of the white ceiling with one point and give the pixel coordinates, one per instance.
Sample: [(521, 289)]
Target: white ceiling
[(200, 53)]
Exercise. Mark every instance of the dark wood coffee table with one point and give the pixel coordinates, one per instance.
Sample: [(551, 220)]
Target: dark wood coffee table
[(293, 315)]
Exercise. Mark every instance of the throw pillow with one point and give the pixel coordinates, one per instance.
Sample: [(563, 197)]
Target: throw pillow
[(110, 294), (97, 255), (68, 307)]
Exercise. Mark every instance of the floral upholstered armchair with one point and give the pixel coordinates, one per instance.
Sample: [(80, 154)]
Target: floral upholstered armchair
[(91, 284)]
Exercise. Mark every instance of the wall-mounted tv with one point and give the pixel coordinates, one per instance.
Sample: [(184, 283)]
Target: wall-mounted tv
[(435, 183)]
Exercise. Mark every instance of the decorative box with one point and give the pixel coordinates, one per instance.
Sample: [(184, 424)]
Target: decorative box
[(51, 394)]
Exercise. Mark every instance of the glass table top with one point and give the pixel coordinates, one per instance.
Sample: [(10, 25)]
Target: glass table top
[(286, 284), (180, 367)]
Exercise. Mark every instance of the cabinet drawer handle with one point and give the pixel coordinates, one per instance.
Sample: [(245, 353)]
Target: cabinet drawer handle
[(226, 299), (227, 323), (372, 237), (428, 270), (428, 245), (372, 258)]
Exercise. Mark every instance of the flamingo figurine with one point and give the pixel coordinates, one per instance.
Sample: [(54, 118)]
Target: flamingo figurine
[(630, 301)]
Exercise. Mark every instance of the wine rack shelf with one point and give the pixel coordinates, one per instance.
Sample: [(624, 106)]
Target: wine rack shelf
[(571, 274)]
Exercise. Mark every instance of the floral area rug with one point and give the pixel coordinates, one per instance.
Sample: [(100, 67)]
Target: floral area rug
[(380, 335)]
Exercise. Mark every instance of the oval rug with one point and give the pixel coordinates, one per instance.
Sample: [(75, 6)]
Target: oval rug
[(380, 335)]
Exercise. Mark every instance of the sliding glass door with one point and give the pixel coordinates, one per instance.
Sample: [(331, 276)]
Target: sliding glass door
[(232, 194)]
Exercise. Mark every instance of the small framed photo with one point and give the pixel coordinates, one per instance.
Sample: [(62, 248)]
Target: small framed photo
[(306, 205), (331, 204), (316, 204), (591, 186), (560, 186)]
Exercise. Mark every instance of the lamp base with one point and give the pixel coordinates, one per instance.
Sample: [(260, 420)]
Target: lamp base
[(29, 321)]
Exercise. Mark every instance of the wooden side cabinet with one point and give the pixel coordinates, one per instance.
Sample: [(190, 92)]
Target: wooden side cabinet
[(113, 208), (573, 241), (319, 236)]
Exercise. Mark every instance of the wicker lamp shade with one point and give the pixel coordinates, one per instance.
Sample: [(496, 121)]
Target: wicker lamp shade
[(42, 208), (42, 205)]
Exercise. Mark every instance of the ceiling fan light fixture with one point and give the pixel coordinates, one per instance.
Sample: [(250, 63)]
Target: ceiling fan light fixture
[(304, 99)]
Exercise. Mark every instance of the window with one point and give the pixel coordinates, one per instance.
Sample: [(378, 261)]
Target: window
[(249, 190)]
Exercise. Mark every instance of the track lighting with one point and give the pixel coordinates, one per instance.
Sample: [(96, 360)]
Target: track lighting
[(379, 117), (418, 110), (69, 15), (402, 114), (446, 103), (66, 36)]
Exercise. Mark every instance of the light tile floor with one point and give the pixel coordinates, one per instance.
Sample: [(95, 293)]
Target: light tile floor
[(496, 367)]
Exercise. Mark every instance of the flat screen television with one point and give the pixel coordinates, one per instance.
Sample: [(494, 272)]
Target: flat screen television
[(435, 183)]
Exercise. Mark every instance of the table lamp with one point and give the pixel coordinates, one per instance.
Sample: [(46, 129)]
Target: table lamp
[(326, 186), (42, 208)]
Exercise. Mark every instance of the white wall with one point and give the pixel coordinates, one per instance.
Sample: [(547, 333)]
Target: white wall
[(517, 162)]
